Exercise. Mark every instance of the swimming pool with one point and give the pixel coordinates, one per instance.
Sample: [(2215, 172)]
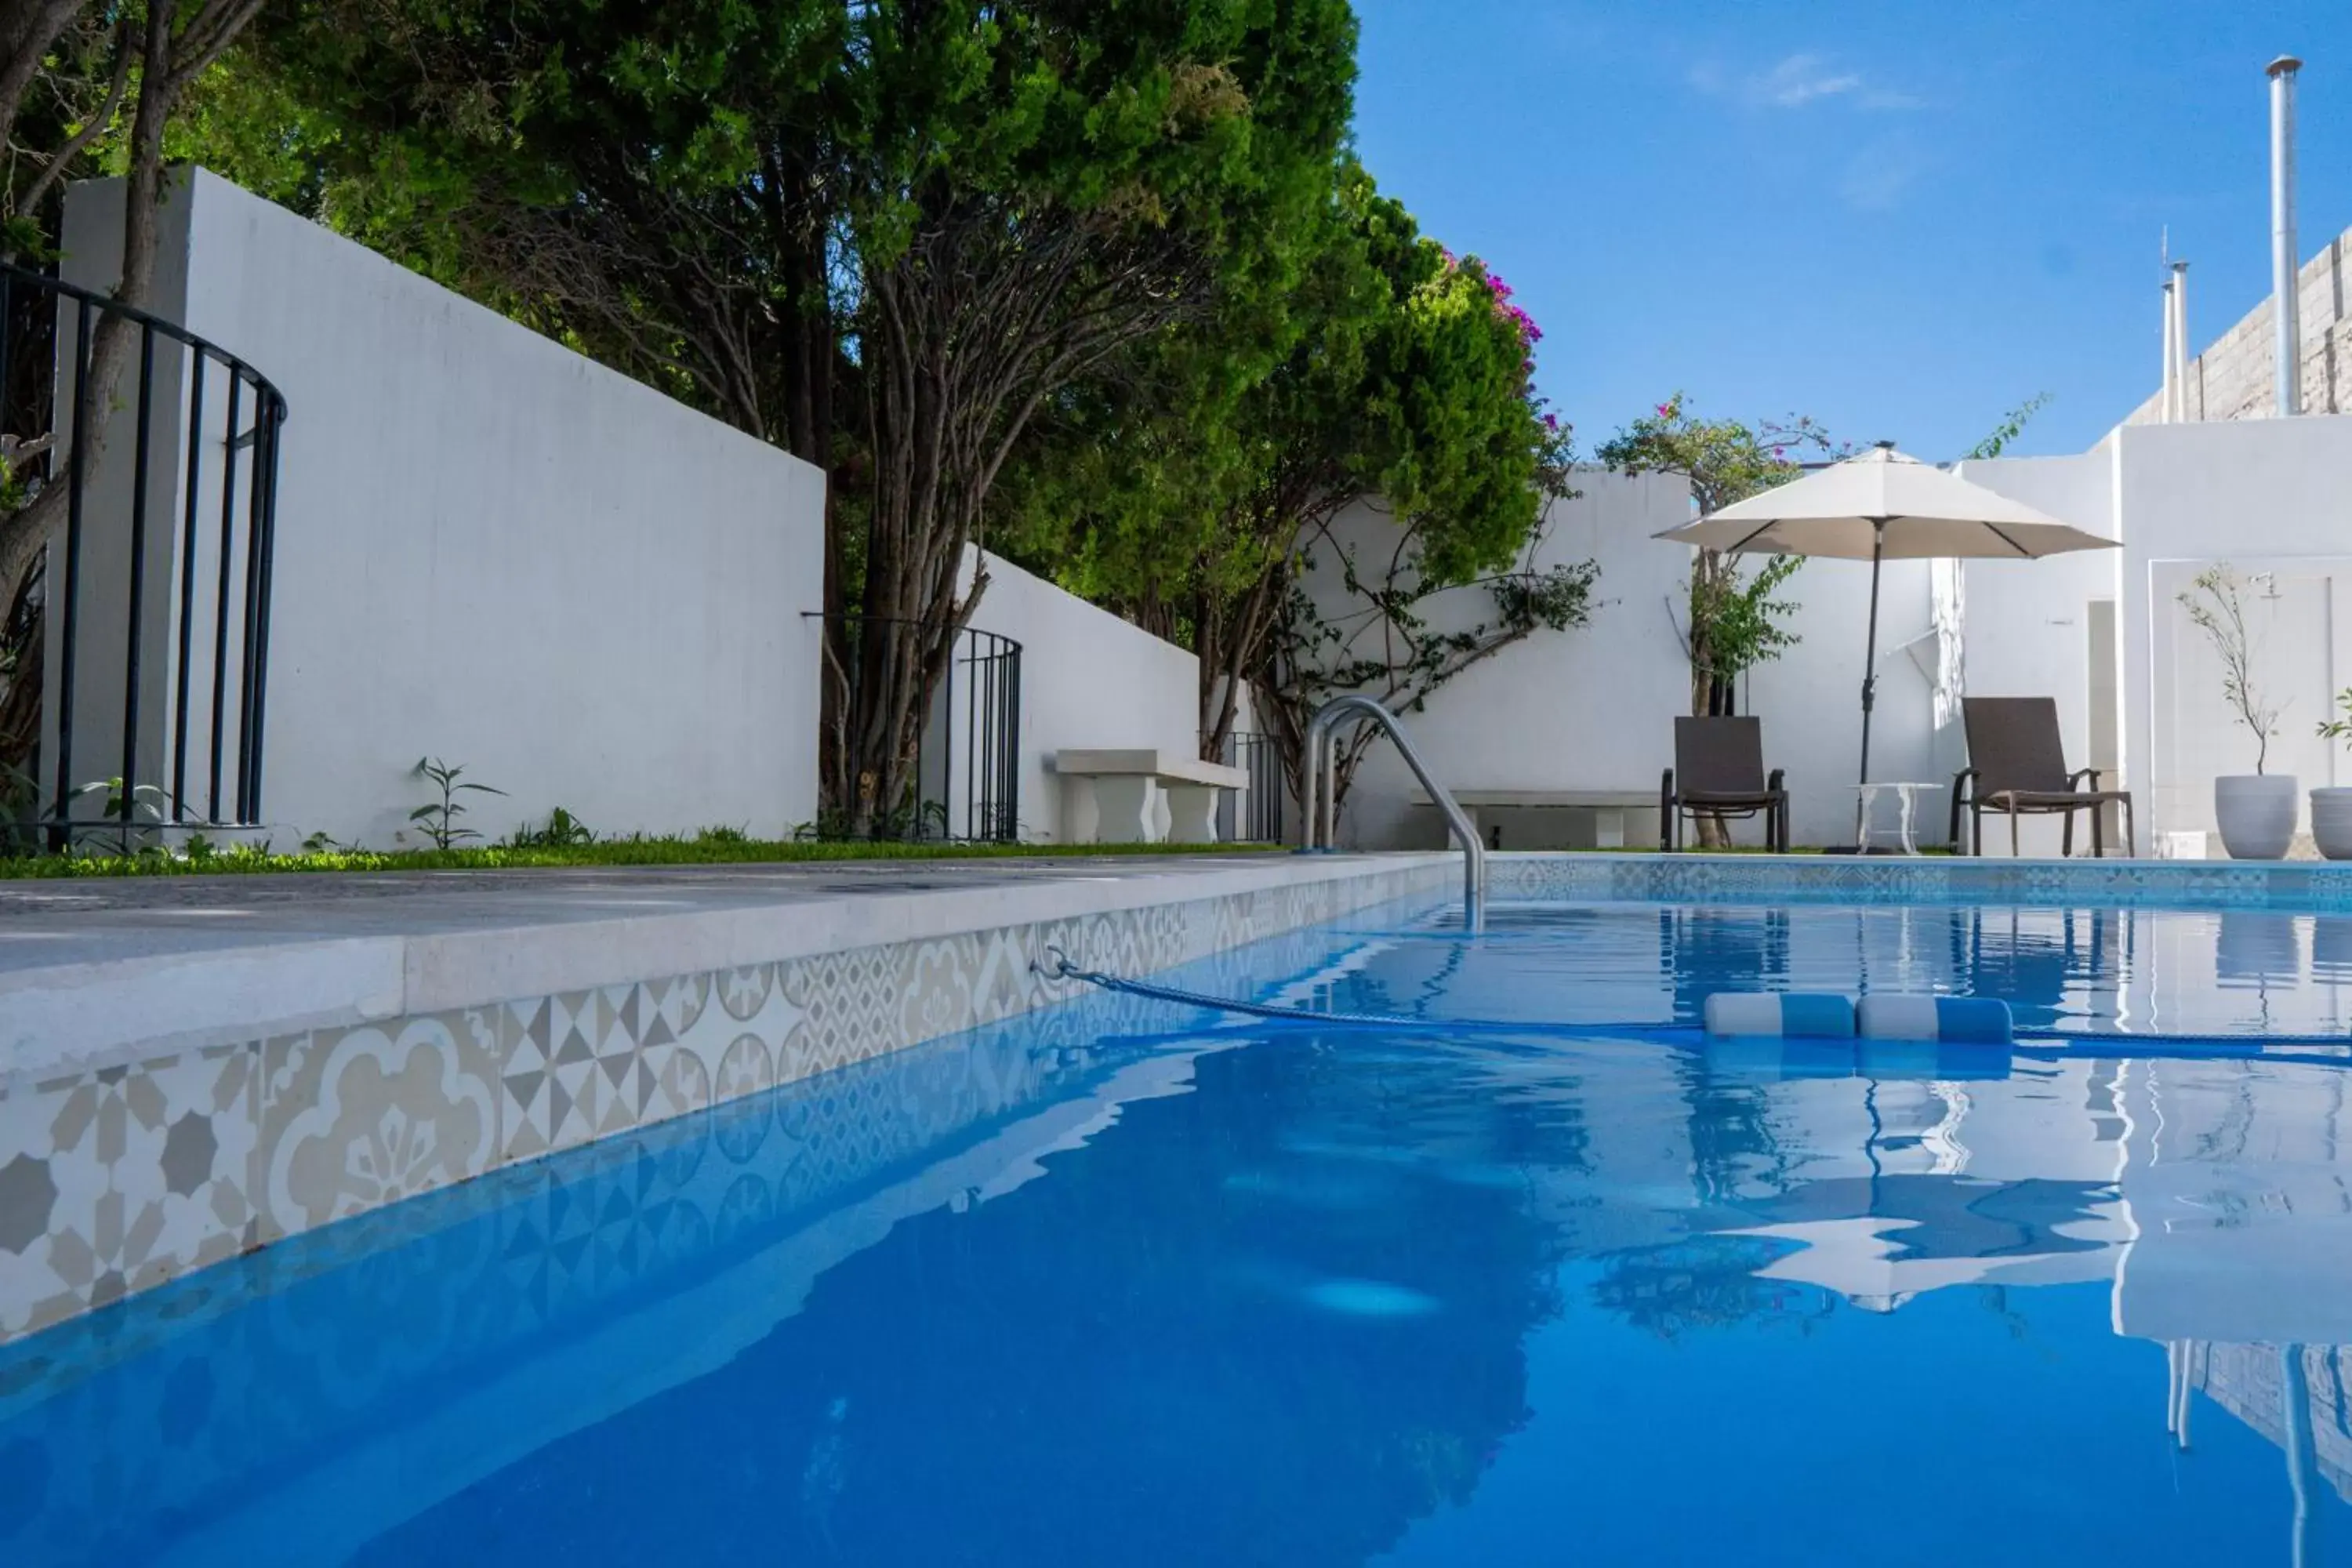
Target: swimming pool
[(1128, 1281)]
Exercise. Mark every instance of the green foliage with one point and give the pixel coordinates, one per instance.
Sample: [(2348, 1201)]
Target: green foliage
[(1724, 459), (134, 814), (2340, 729), (2216, 606), (1387, 640), (1734, 620), (1190, 498), (438, 819), (560, 830), (887, 235), (2012, 425), (699, 850), (1744, 617), (909, 821)]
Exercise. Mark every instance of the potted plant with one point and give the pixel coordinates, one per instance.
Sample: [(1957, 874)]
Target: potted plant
[(2331, 809), (2255, 811)]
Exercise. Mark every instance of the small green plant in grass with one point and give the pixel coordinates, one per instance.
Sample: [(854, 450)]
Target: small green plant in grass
[(438, 819), (246, 860), (561, 830), (149, 806)]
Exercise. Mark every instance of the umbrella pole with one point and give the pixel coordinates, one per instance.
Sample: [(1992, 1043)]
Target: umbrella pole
[(1869, 679)]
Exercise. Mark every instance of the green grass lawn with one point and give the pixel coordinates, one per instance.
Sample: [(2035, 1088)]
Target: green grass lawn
[(709, 850)]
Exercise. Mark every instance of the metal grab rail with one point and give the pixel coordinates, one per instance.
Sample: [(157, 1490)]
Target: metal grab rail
[(1318, 790)]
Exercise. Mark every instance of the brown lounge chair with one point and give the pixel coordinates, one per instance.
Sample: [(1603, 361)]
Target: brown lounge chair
[(2018, 767), (1719, 764)]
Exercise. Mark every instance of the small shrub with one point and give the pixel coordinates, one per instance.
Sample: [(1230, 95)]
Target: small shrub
[(438, 820)]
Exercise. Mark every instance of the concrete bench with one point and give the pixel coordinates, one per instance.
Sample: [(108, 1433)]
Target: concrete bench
[(1141, 797), (1607, 808)]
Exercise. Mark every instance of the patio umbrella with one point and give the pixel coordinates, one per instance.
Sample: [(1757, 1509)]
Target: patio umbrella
[(1880, 506)]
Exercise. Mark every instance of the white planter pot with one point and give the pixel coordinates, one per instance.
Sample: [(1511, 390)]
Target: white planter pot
[(2331, 822), (2256, 813)]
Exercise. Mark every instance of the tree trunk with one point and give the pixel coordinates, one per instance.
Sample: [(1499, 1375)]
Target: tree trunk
[(28, 28), (1710, 693)]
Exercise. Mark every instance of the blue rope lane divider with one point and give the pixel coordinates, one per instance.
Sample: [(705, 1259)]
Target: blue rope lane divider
[(1055, 966), (1981, 1021)]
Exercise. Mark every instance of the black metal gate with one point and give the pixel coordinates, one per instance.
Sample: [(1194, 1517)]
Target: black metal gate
[(1257, 816), (966, 782), (972, 764), (152, 596)]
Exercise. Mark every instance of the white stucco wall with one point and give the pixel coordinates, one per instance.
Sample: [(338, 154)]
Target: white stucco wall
[(2028, 624), (1089, 680), (1590, 709), (495, 551), (2270, 497), (1809, 699)]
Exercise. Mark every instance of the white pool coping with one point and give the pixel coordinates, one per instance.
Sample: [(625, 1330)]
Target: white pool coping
[(204, 961)]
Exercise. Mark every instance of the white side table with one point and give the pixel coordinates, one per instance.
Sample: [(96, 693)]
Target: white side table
[(1907, 797)]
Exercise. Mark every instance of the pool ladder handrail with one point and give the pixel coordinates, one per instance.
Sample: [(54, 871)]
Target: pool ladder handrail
[(1319, 788)]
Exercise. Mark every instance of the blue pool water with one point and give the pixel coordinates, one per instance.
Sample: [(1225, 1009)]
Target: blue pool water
[(1131, 1283)]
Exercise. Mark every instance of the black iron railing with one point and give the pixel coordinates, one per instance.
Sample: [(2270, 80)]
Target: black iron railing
[(981, 701), (1258, 815), (153, 592), (965, 783)]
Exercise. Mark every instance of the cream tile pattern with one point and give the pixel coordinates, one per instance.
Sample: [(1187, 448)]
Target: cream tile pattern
[(115, 1181)]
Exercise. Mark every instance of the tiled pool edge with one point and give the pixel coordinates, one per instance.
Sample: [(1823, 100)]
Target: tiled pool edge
[(2313, 886), (117, 1178)]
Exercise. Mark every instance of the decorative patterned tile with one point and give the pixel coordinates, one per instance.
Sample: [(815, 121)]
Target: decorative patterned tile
[(115, 1182), (1677, 879), (355, 1119)]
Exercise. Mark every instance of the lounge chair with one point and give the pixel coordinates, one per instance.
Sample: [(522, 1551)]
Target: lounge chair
[(1720, 768), (2017, 766)]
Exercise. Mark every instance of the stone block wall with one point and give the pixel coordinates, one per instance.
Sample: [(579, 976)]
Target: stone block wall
[(2232, 378)]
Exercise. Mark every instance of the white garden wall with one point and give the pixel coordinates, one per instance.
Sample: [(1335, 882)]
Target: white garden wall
[(2031, 629), (2273, 498), (1088, 681), (1810, 697), (1590, 709), (493, 551), (1593, 709)]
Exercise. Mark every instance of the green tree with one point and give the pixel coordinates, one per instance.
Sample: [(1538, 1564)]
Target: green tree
[(1733, 620), (84, 88), (1200, 505), (886, 236)]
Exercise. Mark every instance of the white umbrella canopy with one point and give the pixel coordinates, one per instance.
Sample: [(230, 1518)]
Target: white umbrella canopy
[(1883, 505)]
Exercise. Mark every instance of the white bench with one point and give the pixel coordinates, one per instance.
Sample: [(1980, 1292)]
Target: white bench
[(1141, 797), (1608, 807)]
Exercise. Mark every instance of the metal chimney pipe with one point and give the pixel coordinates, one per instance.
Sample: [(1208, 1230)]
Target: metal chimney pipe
[(2286, 309), (2165, 401), (2180, 355)]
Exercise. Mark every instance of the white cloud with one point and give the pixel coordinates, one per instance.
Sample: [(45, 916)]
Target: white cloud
[(1799, 80), (1795, 81)]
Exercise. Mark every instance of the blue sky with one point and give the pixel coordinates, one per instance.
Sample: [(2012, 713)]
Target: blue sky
[(1899, 217)]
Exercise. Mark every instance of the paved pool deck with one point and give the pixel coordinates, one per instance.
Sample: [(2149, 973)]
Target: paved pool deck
[(88, 966)]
